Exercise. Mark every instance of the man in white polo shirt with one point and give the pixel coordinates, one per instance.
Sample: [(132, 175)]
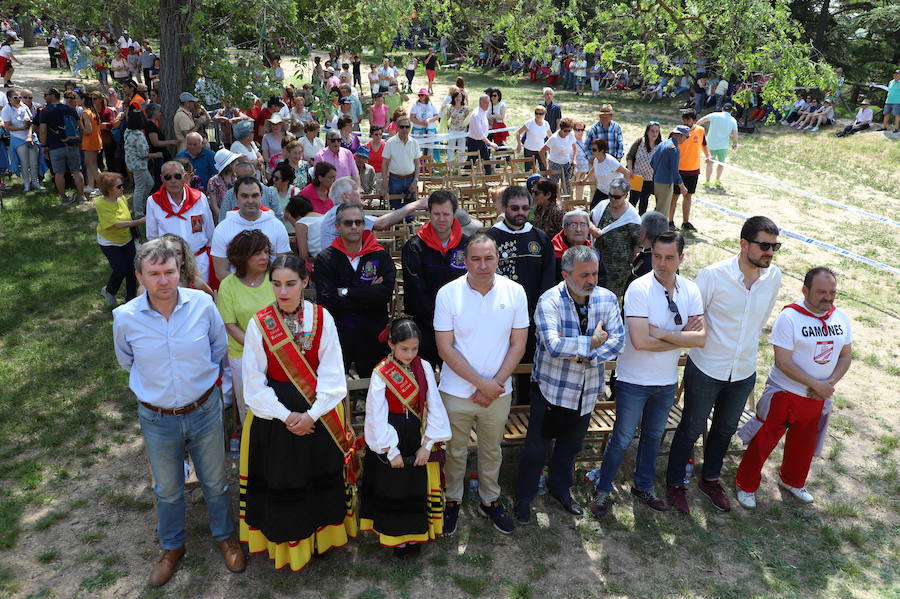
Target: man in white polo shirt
[(664, 313), (480, 324), (400, 160), (249, 215), (738, 296)]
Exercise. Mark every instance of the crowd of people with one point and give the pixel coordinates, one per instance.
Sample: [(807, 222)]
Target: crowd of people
[(240, 239)]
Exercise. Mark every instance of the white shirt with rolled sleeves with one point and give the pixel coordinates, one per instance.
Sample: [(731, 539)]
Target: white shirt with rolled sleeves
[(481, 326), (171, 362), (196, 228), (403, 156), (735, 316), (646, 298), (815, 351), (381, 437), (331, 382)]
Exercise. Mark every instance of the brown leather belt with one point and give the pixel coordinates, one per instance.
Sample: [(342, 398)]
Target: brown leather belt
[(183, 409)]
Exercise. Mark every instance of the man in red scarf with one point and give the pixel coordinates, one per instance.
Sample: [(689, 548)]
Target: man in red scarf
[(431, 259), (575, 231), (355, 281), (813, 347)]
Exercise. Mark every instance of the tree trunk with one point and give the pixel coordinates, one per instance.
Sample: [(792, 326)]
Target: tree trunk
[(822, 26), (28, 32), (174, 75)]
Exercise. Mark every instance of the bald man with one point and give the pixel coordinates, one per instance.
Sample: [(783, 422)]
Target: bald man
[(201, 158)]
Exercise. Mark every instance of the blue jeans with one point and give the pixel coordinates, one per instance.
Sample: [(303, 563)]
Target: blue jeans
[(702, 395), (565, 448), (636, 404), (699, 101), (166, 436), (400, 185), (435, 152)]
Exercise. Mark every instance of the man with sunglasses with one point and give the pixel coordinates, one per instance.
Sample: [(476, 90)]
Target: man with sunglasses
[(340, 158), (63, 153), (400, 164), (181, 210), (355, 281), (738, 296), (664, 313)]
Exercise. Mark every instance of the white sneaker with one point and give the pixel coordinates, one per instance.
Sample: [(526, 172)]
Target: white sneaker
[(747, 500), (784, 122), (109, 297), (801, 494), (814, 129), (36, 186), (807, 128), (93, 192)]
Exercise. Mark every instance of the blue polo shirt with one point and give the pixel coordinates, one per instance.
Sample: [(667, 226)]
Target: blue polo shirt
[(204, 164)]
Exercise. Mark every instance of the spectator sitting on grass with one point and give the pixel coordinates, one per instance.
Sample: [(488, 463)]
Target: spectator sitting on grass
[(824, 115), (862, 121), (805, 114)]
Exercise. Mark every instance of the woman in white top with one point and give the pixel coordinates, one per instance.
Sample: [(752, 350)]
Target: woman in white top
[(374, 85), (496, 115), (424, 117), (312, 143), (580, 69), (604, 169), (282, 180), (307, 228), (271, 141), (536, 131), (455, 114), (560, 149), (245, 146), (411, 63), (17, 119)]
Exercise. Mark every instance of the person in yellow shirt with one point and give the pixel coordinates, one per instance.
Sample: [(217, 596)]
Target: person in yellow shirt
[(241, 295), (689, 168), (114, 237)]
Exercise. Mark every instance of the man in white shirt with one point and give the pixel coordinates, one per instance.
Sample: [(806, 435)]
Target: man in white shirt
[(181, 210), (53, 49), (400, 160), (813, 349), (663, 313), (477, 135), (862, 121), (480, 324), (251, 214), (738, 296)]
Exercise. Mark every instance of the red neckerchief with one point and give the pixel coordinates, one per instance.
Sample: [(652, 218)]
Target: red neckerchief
[(805, 312), (560, 245), (428, 235), (191, 197), (369, 245)]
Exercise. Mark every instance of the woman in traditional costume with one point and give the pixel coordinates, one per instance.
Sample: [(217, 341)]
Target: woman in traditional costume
[(298, 464), (401, 497)]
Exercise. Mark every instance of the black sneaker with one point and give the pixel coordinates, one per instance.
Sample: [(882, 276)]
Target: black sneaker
[(650, 498), (451, 515), (686, 226), (522, 512), (498, 516), (672, 226)]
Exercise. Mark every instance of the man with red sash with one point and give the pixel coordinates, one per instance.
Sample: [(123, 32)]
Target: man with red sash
[(298, 459), (183, 211), (813, 346), (575, 231), (355, 281), (431, 259)]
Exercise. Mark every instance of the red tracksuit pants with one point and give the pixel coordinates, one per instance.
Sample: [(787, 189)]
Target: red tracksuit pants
[(797, 415)]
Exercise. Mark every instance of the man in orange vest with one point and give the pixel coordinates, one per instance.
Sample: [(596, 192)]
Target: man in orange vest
[(689, 168)]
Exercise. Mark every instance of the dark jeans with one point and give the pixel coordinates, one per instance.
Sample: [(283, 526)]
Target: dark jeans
[(640, 199), (147, 77), (598, 197), (400, 185), (538, 159), (479, 145), (702, 395), (54, 57), (121, 260), (562, 463), (851, 129)]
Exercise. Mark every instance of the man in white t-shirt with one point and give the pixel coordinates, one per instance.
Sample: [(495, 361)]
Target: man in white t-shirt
[(53, 47), (251, 214), (813, 348), (480, 324), (663, 314), (400, 164), (862, 121), (738, 296)]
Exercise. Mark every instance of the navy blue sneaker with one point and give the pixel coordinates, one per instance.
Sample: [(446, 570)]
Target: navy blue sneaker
[(498, 516), (451, 515)]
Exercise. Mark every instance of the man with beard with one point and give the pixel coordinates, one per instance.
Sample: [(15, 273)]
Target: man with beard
[(431, 259), (578, 330), (738, 296), (813, 349), (575, 231)]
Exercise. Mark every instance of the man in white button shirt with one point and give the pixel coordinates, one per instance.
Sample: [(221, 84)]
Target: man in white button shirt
[(663, 313), (738, 296), (480, 325)]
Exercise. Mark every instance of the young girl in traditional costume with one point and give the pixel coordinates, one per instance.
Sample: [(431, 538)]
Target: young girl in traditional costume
[(401, 497), (297, 465)]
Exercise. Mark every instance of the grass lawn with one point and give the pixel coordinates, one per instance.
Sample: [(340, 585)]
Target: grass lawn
[(76, 515)]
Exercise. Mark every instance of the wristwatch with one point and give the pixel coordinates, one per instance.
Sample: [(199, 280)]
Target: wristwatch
[(342, 291)]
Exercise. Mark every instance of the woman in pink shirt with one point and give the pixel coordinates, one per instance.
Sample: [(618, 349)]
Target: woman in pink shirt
[(316, 192), (379, 110)]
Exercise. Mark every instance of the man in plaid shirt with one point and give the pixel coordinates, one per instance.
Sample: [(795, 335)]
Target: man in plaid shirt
[(605, 128), (578, 328)]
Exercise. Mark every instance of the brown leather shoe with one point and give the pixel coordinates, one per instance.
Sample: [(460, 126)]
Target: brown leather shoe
[(233, 554), (715, 493), (677, 498), (650, 498), (165, 567)]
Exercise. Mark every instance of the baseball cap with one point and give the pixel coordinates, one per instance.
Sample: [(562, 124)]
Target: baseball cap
[(682, 130), (727, 106), (362, 152), (188, 97)]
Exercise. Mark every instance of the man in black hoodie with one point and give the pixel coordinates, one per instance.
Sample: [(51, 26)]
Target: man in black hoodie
[(432, 258), (354, 281)]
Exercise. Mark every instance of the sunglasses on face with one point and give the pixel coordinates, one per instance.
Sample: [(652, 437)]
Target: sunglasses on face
[(16, 97), (577, 130), (766, 246), (335, 140), (27, 97), (673, 308), (403, 126), (356, 222), (598, 150), (538, 112), (612, 197), (517, 208), (119, 186), (70, 97), (176, 176)]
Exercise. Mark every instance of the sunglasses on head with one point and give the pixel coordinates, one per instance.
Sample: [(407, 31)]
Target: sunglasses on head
[(176, 176), (766, 245), (673, 308), (356, 222)]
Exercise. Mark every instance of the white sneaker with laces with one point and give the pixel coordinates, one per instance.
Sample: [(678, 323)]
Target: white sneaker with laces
[(807, 128), (109, 297), (36, 186), (814, 129), (801, 494), (747, 500)]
